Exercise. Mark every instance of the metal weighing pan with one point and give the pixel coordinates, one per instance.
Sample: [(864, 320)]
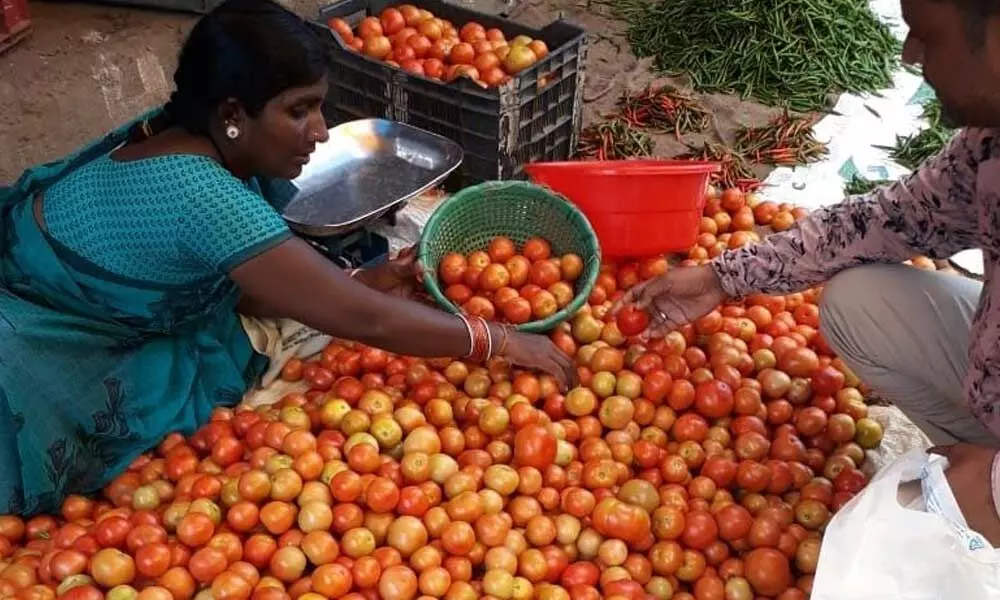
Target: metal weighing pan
[(366, 169)]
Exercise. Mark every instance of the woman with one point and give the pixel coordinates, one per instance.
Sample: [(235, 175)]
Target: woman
[(122, 266)]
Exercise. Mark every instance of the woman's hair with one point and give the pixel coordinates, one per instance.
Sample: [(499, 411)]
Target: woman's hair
[(250, 50)]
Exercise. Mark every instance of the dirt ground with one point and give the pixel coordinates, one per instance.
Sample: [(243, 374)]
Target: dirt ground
[(88, 67)]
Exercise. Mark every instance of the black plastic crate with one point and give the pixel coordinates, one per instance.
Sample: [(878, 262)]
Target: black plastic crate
[(535, 116)]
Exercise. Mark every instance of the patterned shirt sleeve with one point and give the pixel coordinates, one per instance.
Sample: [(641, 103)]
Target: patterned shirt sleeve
[(931, 212), (228, 223)]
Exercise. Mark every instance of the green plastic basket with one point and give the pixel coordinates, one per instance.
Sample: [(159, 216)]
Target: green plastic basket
[(470, 219)]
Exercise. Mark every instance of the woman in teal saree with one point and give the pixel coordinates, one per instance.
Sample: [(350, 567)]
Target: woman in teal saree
[(122, 266)]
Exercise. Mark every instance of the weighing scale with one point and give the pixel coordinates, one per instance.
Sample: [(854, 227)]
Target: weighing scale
[(365, 172)]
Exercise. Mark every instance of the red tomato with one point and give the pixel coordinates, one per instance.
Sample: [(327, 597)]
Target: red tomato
[(534, 446), (632, 321), (850, 480), (768, 571), (713, 399)]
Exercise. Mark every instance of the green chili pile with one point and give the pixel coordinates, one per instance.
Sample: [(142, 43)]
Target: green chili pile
[(614, 139), (735, 170), (786, 141), (911, 150), (665, 110), (857, 186), (791, 53)]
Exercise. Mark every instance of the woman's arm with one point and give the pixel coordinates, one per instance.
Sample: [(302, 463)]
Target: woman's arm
[(293, 280), (296, 282)]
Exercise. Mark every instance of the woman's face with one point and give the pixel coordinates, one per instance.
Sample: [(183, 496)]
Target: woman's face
[(279, 140)]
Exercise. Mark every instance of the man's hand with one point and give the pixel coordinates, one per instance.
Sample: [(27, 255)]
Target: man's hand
[(969, 475), (675, 298)]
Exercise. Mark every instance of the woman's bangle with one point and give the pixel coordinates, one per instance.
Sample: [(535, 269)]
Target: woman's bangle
[(482, 340), (472, 336), (489, 339), (504, 333)]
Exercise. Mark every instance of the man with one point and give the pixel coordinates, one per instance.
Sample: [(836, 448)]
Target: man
[(928, 341)]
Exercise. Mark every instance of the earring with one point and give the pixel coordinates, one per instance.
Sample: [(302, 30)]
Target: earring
[(232, 131)]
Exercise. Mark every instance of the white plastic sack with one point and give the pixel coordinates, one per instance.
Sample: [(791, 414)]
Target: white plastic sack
[(877, 548)]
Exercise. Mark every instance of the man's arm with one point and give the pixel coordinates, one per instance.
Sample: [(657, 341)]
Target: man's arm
[(930, 212)]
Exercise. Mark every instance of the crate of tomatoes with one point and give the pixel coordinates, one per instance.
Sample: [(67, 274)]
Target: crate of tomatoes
[(507, 93)]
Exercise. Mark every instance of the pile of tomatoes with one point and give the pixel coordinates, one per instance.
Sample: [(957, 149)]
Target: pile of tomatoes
[(509, 284), (416, 41), (700, 466), (732, 219)]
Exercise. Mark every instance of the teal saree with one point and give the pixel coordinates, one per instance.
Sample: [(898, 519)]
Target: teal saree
[(97, 368)]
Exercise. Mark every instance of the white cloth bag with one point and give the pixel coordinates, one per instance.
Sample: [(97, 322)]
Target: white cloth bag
[(280, 340), (876, 548)]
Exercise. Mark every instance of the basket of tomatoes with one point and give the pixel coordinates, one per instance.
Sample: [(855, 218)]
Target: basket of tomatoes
[(510, 251)]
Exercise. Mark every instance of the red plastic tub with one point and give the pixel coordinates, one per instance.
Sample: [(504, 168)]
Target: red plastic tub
[(638, 208), (15, 23)]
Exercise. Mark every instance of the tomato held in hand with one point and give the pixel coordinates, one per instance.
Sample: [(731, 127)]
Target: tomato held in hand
[(632, 321)]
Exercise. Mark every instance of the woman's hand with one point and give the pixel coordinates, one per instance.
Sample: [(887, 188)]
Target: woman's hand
[(539, 352), (675, 298), (399, 276)]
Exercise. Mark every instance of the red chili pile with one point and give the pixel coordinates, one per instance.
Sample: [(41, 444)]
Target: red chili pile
[(703, 465)]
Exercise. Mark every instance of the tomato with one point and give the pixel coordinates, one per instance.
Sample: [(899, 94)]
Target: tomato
[(153, 560), (112, 531), (534, 446), (768, 571), (700, 530), (332, 580), (632, 321), (195, 529), (111, 567), (66, 564), (392, 21), (580, 573), (617, 519), (734, 522), (850, 480), (713, 399), (369, 27), (206, 564), (720, 469), (812, 514), (82, 592), (398, 581), (690, 427)]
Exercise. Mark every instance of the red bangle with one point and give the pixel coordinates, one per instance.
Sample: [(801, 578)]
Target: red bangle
[(481, 341)]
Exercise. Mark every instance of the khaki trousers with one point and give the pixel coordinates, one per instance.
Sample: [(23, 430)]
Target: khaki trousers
[(905, 332)]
